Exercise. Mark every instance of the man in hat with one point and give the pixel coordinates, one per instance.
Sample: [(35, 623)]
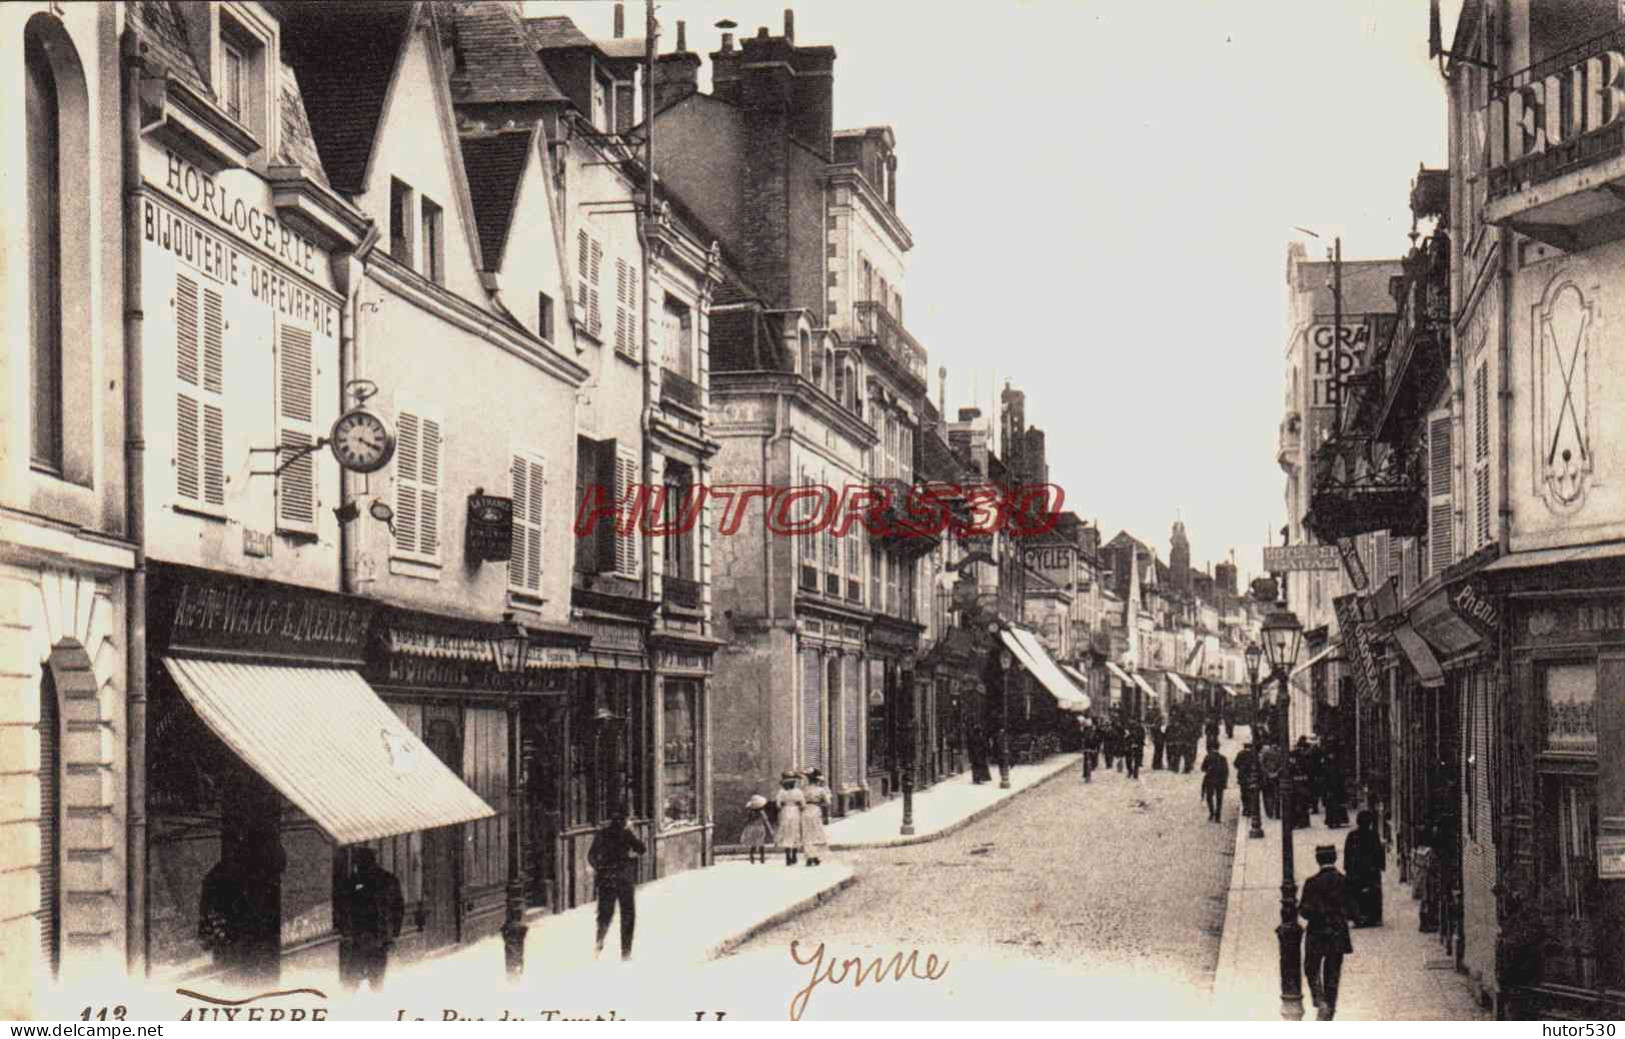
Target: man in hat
[(1215, 777), (368, 911), (1325, 906), (1269, 767), (1247, 778), (614, 858)]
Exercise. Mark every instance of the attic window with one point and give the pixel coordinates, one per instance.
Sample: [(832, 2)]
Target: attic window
[(600, 105), (240, 86)]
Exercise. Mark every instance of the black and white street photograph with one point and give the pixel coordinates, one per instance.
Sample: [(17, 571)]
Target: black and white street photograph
[(812, 510)]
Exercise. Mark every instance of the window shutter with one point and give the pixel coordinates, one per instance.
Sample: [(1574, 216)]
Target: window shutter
[(621, 322), (1441, 546), (583, 277), (1481, 452), (628, 547), (429, 489), (408, 440), (295, 391), (1381, 559), (200, 458), (596, 260), (525, 559)]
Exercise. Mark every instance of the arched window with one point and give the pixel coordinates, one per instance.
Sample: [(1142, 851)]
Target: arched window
[(840, 385), (806, 355), (44, 216), (829, 371), (58, 167), (50, 809), (851, 399)]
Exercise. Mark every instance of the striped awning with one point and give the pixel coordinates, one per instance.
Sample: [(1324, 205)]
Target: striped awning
[(1179, 683), (1038, 662), (1145, 687), (325, 740), (1331, 647), (1083, 683), (1118, 673)]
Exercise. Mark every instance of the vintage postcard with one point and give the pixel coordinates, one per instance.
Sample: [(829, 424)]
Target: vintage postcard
[(714, 510)]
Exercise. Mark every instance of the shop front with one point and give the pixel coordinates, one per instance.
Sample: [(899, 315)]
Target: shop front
[(831, 710), (896, 730), (953, 666), (268, 755), (438, 674), (1562, 828), (683, 670)]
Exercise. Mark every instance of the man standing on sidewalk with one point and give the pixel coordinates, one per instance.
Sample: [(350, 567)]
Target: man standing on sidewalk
[(614, 858), (1215, 777), (1325, 906)]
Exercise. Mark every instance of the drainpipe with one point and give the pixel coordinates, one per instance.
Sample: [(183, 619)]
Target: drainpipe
[(135, 449), (781, 430), (646, 230)]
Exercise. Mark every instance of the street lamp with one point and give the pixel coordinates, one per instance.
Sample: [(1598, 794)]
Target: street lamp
[(1283, 636), (908, 756), (1005, 662), (510, 647), (1254, 655)]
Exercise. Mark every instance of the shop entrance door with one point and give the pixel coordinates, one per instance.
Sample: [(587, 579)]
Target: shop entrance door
[(543, 728), (442, 847)]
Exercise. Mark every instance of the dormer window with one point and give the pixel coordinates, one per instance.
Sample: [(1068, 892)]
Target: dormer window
[(241, 86), (600, 105), (232, 81)]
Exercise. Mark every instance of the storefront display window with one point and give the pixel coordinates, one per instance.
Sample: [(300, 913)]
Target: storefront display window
[(679, 762), (606, 745), (1571, 708), (1569, 870)]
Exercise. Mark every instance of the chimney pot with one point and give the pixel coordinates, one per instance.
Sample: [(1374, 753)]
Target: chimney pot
[(620, 20), (727, 42), (761, 32), (789, 25), (682, 36)]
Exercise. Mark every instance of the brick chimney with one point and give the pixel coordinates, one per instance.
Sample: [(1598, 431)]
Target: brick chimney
[(677, 74)]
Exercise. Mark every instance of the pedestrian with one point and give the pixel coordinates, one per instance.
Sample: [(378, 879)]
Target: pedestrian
[(614, 859), (1159, 740), (368, 911), (1335, 794), (1325, 906), (1173, 740), (1135, 737), (1088, 740), (1366, 860), (1215, 777), (1317, 773), (790, 800), (1247, 779), (1229, 724), (813, 816), (977, 745), (1211, 729), (1269, 769), (758, 833), (238, 911)]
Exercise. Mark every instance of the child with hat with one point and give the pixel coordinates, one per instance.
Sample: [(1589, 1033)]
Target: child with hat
[(812, 817), (790, 800), (758, 832)]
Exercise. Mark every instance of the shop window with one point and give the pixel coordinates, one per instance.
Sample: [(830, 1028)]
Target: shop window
[(606, 746), (1571, 707), (434, 243), (1569, 904), (679, 758)]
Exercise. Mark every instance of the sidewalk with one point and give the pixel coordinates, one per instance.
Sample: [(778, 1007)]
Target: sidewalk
[(946, 808), (1395, 974), (682, 920)]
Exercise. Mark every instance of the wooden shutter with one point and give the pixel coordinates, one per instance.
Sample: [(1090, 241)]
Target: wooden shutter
[(525, 559), (296, 413), (429, 490), (1441, 542), (1381, 559), (596, 260), (812, 695), (200, 457), (417, 486), (584, 277), (628, 546), (1481, 453), (622, 325)]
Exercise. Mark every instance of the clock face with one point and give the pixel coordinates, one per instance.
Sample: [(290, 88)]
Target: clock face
[(361, 442)]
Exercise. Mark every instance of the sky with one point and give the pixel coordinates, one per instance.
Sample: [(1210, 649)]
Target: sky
[(1101, 195)]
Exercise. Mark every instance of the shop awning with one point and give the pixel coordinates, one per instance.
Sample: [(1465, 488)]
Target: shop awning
[(1036, 659), (1118, 673), (325, 740), (1179, 683), (1420, 656), (1437, 621), (1083, 683), (1146, 688), (1331, 647), (1546, 557)]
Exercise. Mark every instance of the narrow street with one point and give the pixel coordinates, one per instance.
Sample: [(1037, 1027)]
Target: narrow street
[(1092, 900)]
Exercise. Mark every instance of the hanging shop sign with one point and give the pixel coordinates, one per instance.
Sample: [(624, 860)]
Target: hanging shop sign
[(489, 536), (1474, 605), (1349, 550), (1357, 645), (421, 651), (1287, 558), (220, 614)]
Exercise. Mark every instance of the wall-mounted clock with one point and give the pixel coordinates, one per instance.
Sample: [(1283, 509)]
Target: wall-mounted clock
[(362, 441)]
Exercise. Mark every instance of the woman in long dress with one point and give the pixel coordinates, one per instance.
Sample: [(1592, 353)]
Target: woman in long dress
[(790, 800), (813, 838), (1365, 859)]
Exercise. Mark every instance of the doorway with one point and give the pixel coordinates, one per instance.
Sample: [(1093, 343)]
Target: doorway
[(442, 847), (543, 762)]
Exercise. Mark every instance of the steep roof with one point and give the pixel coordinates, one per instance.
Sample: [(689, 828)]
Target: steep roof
[(498, 59), (168, 46), (345, 57), (495, 164), (555, 31), (1365, 285)]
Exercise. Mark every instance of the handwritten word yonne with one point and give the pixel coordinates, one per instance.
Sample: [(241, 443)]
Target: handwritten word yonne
[(899, 968)]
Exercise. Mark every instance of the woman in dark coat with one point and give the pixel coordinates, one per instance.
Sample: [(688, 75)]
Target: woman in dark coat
[(1365, 860)]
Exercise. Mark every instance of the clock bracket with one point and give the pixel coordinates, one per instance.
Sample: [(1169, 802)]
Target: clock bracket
[(293, 454)]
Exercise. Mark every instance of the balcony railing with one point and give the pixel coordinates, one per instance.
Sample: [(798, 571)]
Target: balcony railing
[(1417, 355), (1587, 129), (873, 324), (680, 390), (681, 592)]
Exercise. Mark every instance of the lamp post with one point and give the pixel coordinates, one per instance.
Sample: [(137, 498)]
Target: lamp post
[(1283, 635), (1253, 654), (1005, 660), (909, 753), (509, 650)]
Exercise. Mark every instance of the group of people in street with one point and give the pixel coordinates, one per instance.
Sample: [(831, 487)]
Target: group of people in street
[(794, 821), (1175, 743), (1332, 903), (1118, 742)]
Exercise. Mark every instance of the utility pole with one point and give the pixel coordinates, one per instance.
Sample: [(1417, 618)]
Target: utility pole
[(1337, 334)]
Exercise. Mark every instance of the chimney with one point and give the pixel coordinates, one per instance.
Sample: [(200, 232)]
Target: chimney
[(725, 65), (620, 20), (789, 26), (677, 74)]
